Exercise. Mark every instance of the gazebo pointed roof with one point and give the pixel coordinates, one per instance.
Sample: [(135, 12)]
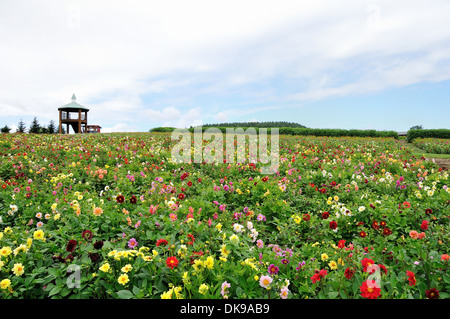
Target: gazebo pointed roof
[(73, 106)]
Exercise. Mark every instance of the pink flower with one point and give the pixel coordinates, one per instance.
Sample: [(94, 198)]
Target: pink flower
[(413, 234)]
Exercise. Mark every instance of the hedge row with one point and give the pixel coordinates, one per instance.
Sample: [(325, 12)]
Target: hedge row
[(434, 133), (304, 131)]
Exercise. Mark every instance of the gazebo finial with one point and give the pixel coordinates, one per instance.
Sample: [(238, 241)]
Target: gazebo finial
[(74, 99)]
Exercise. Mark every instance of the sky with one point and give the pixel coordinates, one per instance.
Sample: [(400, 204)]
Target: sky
[(350, 64)]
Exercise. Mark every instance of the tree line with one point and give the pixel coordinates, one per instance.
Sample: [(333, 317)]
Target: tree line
[(35, 128), (267, 124)]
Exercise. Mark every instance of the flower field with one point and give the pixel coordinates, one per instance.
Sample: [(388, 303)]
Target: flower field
[(433, 145), (111, 216)]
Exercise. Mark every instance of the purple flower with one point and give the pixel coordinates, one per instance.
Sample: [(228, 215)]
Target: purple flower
[(300, 265), (273, 269), (132, 243)]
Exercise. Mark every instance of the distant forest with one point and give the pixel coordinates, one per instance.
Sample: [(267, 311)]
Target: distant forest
[(256, 124)]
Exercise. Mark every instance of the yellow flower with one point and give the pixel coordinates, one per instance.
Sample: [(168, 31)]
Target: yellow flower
[(29, 242), (209, 262), (57, 216), (5, 283), (203, 289), (234, 238), (185, 277), (224, 251), (197, 265), (39, 235), (324, 256), (333, 265), (21, 247), (18, 269), (127, 268), (105, 267), (167, 294), (8, 230), (5, 251), (123, 279), (219, 226)]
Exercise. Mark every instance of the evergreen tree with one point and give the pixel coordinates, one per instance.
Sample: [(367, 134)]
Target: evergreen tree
[(5, 129), (34, 127), (51, 128), (21, 127)]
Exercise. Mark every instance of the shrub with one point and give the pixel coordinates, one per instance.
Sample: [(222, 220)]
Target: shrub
[(434, 133)]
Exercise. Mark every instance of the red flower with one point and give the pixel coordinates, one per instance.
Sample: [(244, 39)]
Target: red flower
[(181, 196), (367, 263), (424, 225), (370, 290), (375, 225), (387, 231), (362, 234), (160, 242), (333, 224), (325, 215), (341, 243), (411, 278), (133, 199), (306, 217), (349, 273), (432, 293), (406, 205), (120, 199), (189, 184), (428, 211), (318, 275), (383, 268), (192, 239), (172, 262)]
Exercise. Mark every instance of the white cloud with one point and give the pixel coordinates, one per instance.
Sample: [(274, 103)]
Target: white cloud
[(113, 54)]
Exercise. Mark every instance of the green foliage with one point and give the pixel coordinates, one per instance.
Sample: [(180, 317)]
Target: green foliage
[(434, 133), (5, 129), (161, 129)]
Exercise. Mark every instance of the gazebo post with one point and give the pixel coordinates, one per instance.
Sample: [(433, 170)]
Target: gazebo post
[(60, 124)]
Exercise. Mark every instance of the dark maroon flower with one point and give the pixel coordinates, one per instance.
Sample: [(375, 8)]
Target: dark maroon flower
[(333, 224), (133, 200), (86, 234), (120, 199), (71, 245), (93, 256), (432, 293), (325, 215), (98, 244)]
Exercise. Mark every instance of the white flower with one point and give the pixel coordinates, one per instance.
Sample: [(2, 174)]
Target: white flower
[(238, 228), (361, 208)]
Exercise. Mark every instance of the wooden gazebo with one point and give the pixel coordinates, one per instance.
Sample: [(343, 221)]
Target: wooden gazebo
[(74, 115)]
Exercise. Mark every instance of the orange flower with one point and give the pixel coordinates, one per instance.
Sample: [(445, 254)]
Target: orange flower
[(413, 234), (98, 211)]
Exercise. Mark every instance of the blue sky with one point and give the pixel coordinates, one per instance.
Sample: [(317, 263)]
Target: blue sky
[(360, 64)]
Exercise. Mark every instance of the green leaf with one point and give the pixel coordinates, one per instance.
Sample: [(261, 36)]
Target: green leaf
[(54, 291), (333, 294), (125, 294)]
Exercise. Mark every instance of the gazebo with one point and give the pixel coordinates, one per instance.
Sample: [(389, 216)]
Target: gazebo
[(74, 115)]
